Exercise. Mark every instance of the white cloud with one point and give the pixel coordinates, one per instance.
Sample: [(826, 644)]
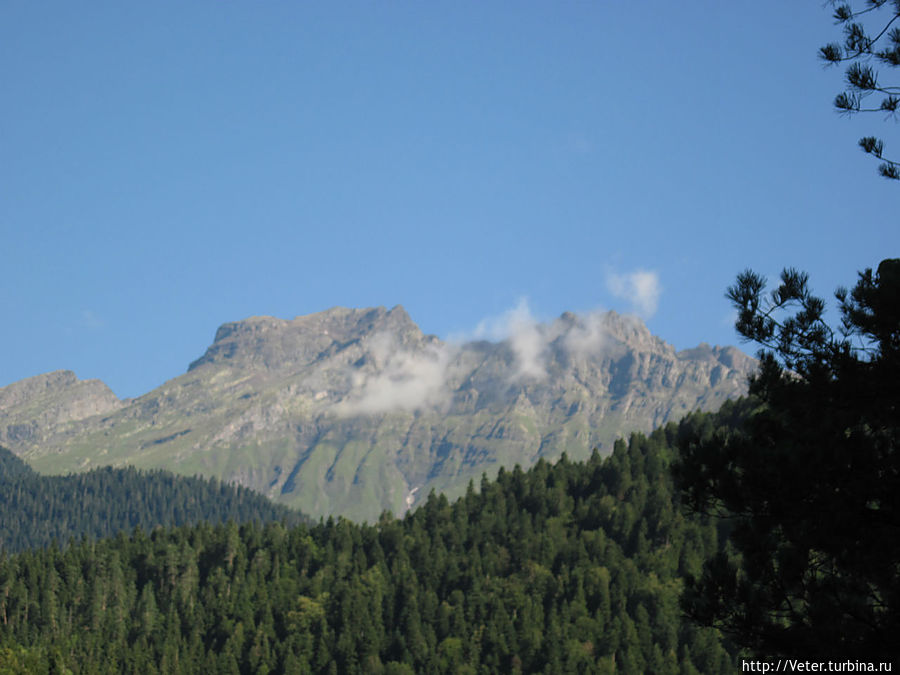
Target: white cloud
[(588, 336), (401, 379), (641, 289), (527, 338)]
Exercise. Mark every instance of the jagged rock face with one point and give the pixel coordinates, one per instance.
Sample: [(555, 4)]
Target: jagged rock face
[(32, 409), (278, 344), (355, 411)]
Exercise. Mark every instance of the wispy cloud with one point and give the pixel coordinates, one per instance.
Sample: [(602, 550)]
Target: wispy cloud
[(525, 335), (400, 379), (641, 289), (91, 320), (588, 336), (397, 376)]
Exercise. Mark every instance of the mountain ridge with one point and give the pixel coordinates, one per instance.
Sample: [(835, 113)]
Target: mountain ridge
[(353, 411)]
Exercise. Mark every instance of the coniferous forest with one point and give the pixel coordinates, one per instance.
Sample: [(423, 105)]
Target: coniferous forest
[(566, 567), (36, 510)]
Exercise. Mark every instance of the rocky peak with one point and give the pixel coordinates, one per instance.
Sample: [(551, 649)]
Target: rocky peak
[(59, 384), (730, 357), (265, 342), (37, 386), (38, 404), (602, 334)]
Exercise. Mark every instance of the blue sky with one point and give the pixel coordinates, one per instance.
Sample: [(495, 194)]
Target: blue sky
[(170, 166)]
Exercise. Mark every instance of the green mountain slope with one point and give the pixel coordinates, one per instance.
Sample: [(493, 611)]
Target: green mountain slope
[(356, 411)]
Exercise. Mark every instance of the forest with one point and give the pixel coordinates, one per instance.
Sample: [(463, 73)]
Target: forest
[(37, 510), (566, 567)]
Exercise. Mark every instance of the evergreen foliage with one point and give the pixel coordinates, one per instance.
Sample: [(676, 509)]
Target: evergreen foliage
[(36, 510), (810, 481), (571, 567), (863, 45)]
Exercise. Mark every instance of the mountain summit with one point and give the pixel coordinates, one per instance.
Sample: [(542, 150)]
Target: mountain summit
[(353, 411), (282, 344)]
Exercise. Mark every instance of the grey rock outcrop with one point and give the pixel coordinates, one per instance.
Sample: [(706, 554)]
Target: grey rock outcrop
[(35, 408)]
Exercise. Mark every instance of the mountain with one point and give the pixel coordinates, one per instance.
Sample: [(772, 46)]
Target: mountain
[(353, 411), (36, 510)]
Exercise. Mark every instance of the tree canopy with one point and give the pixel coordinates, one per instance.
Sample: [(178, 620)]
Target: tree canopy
[(38, 510), (809, 483), (564, 568)]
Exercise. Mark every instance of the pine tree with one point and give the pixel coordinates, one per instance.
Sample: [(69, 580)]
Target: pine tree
[(810, 482), (863, 46)]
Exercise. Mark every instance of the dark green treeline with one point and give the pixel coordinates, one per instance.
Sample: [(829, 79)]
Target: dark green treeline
[(571, 567), (36, 510)]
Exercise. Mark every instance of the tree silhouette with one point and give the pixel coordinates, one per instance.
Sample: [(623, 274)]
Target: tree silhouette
[(860, 48), (809, 483)]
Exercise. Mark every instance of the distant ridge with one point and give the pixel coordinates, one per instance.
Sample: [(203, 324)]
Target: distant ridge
[(354, 411)]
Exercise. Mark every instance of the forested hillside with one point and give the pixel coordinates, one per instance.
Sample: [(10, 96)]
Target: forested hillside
[(570, 567), (36, 510)]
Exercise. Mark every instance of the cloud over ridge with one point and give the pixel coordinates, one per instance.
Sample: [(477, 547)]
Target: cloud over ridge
[(398, 375), (640, 288), (525, 336), (402, 379)]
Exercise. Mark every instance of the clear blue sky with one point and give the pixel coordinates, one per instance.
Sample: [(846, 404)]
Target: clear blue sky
[(169, 166)]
